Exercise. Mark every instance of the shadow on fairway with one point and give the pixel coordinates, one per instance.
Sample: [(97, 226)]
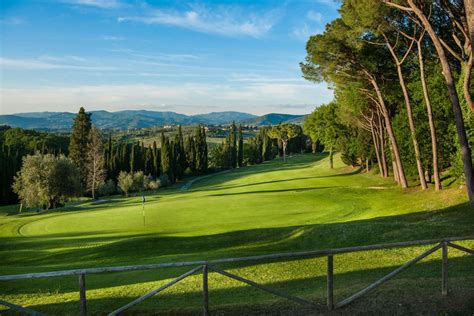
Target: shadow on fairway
[(415, 290), (298, 161), (38, 254)]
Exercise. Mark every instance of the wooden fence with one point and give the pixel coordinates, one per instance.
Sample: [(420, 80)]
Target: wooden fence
[(205, 266)]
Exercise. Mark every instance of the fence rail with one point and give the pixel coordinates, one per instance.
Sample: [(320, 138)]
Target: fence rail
[(205, 266)]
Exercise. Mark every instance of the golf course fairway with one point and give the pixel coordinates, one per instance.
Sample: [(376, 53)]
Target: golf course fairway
[(273, 207)]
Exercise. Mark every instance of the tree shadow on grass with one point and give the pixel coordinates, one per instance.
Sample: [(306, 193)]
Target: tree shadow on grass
[(415, 290), (277, 191), (69, 251), (226, 187), (301, 161)]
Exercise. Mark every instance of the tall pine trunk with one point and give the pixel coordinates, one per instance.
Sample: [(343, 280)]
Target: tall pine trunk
[(411, 122), (388, 125), (382, 147), (434, 143), (466, 71), (377, 148), (453, 96)]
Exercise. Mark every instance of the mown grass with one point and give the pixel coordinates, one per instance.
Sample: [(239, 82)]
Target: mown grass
[(273, 207)]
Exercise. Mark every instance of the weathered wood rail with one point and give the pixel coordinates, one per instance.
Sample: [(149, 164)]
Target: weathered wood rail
[(205, 266)]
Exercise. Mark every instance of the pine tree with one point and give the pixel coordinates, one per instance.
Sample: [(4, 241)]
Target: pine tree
[(240, 153), (78, 142)]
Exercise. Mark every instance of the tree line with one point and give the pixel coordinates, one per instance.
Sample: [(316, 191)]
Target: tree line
[(401, 72), (51, 169), (15, 143), (270, 142)]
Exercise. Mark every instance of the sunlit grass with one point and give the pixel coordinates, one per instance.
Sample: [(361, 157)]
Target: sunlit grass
[(273, 207)]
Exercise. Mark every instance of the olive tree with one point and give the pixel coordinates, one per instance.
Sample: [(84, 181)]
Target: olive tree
[(46, 181)]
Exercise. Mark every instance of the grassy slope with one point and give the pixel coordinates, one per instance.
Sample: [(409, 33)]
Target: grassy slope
[(272, 207)]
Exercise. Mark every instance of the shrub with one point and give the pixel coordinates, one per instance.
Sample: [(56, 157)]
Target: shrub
[(107, 188), (138, 181), (154, 185), (125, 182)]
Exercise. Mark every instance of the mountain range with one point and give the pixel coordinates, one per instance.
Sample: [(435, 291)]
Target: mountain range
[(141, 119)]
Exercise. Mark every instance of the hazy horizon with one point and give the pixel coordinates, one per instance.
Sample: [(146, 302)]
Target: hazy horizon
[(153, 110), (185, 57)]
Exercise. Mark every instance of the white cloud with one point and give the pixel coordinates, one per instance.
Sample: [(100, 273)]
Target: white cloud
[(315, 16), (102, 4), (48, 63), (224, 21), (236, 77), (254, 97), (113, 38), (304, 32), (335, 4)]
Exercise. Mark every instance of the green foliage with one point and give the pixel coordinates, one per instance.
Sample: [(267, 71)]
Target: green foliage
[(240, 152), (165, 156), (78, 143), (140, 182), (323, 125), (46, 181), (284, 132), (107, 188), (15, 143), (125, 182), (201, 150)]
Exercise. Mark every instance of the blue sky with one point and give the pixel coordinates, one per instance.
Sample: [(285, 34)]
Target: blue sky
[(188, 57)]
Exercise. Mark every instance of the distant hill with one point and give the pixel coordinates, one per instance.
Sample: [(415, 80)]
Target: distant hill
[(274, 118), (140, 119)]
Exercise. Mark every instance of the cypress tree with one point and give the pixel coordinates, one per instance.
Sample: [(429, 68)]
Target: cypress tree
[(141, 157), (190, 151), (109, 157), (233, 145), (240, 154), (156, 160), (165, 156), (197, 142), (182, 154), (148, 161), (78, 142), (201, 150), (132, 159)]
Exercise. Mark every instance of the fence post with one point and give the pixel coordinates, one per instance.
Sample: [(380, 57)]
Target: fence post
[(205, 291), (444, 271), (82, 294), (330, 280)]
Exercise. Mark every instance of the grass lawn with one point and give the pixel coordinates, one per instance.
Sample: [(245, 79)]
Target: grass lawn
[(273, 207)]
